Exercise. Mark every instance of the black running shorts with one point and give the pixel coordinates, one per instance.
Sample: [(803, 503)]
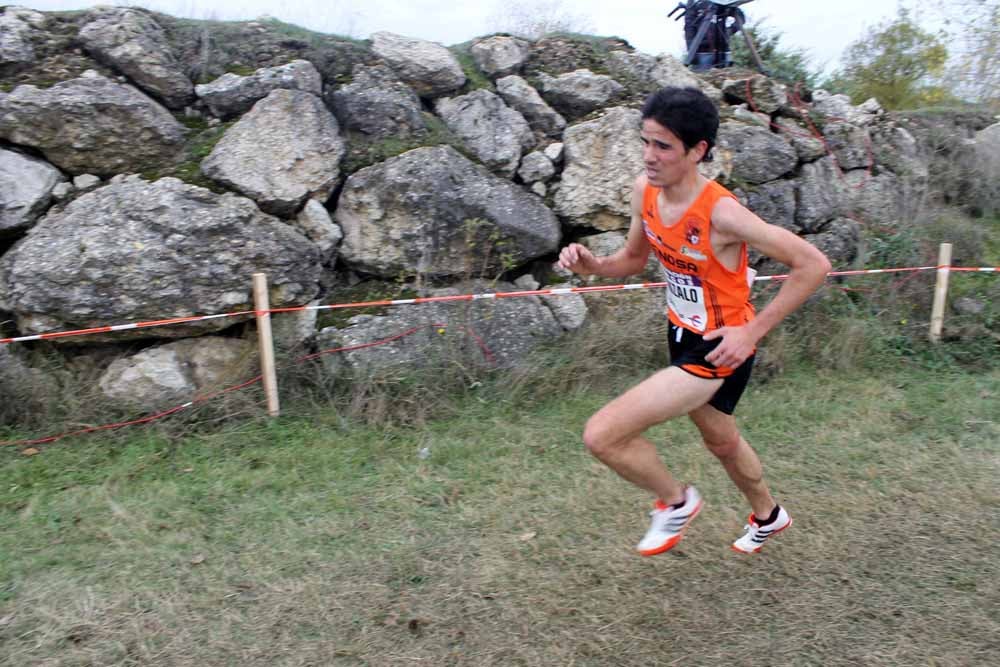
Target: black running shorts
[(687, 352)]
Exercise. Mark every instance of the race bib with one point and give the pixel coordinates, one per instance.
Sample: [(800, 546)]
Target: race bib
[(686, 299)]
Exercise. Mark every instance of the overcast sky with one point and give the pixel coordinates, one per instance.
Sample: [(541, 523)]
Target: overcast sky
[(823, 27)]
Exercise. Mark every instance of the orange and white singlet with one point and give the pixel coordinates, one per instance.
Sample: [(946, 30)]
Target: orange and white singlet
[(702, 294)]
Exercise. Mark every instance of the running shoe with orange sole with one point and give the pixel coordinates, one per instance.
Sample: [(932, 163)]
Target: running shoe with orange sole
[(669, 523), (756, 535)]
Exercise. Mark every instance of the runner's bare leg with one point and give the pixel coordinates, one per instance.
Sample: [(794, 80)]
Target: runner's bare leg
[(722, 438), (614, 433)]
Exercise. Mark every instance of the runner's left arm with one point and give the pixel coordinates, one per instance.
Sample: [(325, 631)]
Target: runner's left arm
[(736, 224)]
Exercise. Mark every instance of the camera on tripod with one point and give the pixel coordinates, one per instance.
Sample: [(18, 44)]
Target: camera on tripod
[(709, 26)]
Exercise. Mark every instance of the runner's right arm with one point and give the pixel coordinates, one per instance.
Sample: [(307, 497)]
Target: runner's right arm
[(630, 260)]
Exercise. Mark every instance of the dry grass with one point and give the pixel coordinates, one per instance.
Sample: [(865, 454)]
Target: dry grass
[(325, 538), (308, 543)]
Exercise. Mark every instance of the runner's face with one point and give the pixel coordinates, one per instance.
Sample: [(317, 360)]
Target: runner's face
[(663, 155)]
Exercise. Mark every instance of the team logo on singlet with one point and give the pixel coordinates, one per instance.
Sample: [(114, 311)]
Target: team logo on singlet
[(692, 231), (686, 299)]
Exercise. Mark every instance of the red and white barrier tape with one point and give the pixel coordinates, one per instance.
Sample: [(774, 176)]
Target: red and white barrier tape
[(123, 327), (559, 291), (201, 399), (399, 302)]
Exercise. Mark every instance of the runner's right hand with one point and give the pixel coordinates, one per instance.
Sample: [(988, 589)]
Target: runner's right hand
[(578, 259)]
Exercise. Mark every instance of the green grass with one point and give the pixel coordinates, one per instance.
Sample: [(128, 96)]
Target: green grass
[(311, 37), (313, 539), (200, 143), (474, 77), (233, 28), (363, 151)]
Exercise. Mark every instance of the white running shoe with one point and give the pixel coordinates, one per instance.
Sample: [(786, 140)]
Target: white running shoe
[(756, 535), (669, 523)]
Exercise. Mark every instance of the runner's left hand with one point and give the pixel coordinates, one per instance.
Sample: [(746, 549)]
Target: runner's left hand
[(736, 346)]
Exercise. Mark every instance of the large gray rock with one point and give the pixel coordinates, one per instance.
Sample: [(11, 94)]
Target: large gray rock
[(987, 150), (630, 65), (579, 92), (757, 155), (834, 106), (494, 332), (602, 158), (17, 24), (133, 43), (232, 95), (895, 149), (570, 310), (519, 94), (774, 202), (91, 125), (850, 143), (652, 73), (427, 67), (839, 108), (536, 167), (650, 70), (431, 210), (26, 185), (136, 251), (378, 104), (840, 241), (292, 331), (315, 222), (808, 146), (879, 200), (669, 71), (286, 149), (174, 373), (743, 114), (500, 55), (822, 194), (493, 131), (760, 92)]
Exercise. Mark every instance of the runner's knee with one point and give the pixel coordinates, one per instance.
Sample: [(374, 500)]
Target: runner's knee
[(723, 447), (597, 437)]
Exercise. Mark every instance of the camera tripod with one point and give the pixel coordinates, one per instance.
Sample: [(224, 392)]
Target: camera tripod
[(709, 25)]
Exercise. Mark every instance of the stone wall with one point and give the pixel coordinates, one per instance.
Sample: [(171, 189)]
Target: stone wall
[(148, 166)]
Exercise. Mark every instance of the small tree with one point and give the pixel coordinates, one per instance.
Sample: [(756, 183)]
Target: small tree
[(897, 62), (973, 28), (786, 64)]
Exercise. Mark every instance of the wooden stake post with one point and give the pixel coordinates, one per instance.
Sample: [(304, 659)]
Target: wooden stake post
[(940, 292), (266, 342)]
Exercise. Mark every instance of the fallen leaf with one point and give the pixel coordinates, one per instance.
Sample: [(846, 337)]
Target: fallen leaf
[(528, 536)]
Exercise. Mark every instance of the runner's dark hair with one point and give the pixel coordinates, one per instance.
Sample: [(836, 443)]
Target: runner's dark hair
[(688, 113)]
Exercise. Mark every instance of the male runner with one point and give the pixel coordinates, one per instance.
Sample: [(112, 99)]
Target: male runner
[(700, 234)]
